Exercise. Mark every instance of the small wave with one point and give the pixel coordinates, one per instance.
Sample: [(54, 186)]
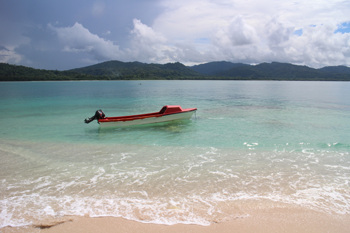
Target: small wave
[(169, 185)]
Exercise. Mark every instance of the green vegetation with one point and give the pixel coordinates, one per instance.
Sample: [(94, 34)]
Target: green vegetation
[(22, 73), (283, 71), (112, 70), (116, 70), (276, 71), (214, 68)]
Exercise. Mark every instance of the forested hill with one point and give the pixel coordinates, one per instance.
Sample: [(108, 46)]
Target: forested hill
[(111, 70), (117, 70), (214, 68), (138, 70), (272, 71), (21, 73)]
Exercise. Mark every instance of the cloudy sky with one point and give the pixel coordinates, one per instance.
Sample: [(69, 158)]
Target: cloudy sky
[(69, 34)]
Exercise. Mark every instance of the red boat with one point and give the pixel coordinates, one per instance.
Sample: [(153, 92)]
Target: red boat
[(167, 113)]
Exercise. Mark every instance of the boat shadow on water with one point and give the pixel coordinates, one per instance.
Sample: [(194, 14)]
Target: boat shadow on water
[(175, 128), (172, 126)]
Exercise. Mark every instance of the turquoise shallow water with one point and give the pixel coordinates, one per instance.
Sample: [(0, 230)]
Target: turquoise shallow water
[(250, 144), (229, 113)]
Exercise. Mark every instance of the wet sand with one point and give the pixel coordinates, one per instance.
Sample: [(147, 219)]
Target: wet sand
[(269, 221)]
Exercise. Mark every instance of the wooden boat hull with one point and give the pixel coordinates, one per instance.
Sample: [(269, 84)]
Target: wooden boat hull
[(149, 118)]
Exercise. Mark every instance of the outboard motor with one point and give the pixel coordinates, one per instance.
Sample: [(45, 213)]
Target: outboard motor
[(99, 114)]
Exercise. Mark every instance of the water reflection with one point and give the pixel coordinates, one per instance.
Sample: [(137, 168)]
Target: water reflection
[(142, 134)]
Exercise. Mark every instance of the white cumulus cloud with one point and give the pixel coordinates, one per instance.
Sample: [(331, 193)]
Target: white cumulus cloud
[(79, 39), (255, 31), (145, 44), (9, 56), (237, 33), (251, 31), (320, 46), (314, 32)]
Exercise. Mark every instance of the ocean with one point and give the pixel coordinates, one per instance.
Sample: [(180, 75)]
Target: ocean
[(251, 145)]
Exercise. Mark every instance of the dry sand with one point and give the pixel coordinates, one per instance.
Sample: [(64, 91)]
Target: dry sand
[(271, 221)]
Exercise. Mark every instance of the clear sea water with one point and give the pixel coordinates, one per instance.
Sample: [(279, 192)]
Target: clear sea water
[(251, 145)]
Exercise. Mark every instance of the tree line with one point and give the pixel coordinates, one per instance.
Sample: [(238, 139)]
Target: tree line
[(116, 70)]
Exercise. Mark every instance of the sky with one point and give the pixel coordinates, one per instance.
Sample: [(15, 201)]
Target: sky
[(67, 34)]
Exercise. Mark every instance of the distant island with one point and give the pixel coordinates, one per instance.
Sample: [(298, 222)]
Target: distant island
[(222, 70)]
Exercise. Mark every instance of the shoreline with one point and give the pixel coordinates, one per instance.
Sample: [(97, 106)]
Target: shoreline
[(275, 220)]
